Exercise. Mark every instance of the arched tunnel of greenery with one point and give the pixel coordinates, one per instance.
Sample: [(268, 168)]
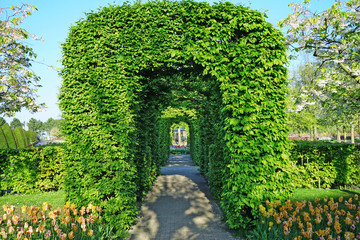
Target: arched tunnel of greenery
[(131, 71)]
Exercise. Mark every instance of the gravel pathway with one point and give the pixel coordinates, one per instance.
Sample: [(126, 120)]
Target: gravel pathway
[(180, 207)]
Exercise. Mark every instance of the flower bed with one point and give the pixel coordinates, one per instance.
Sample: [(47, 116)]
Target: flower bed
[(320, 219), (179, 149), (47, 223)]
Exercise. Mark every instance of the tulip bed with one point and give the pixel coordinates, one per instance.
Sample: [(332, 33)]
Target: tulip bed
[(45, 222), (325, 218)]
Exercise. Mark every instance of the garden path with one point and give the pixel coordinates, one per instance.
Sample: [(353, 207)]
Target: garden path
[(180, 207)]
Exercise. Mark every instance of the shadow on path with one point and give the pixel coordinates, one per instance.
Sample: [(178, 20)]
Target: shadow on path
[(180, 207)]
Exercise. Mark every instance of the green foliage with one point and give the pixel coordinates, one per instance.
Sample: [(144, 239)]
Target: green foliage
[(216, 170), (2, 121), (218, 68), (32, 169), (31, 136), (51, 170), (15, 123), (3, 142), (19, 137), (26, 140), (326, 165), (9, 136), (50, 124), (35, 125)]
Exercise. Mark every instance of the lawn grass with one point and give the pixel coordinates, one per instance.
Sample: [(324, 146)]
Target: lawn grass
[(56, 199), (311, 194)]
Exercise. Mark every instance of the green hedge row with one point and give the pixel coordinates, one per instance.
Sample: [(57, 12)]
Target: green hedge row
[(29, 170), (326, 165)]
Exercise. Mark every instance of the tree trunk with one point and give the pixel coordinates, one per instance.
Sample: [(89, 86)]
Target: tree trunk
[(311, 134), (315, 133), (338, 135), (345, 134), (352, 133)]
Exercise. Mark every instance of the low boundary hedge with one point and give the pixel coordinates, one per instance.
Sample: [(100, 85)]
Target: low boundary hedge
[(327, 165), (32, 169)]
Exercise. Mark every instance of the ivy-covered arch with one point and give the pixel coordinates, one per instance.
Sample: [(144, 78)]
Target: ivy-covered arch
[(125, 65)]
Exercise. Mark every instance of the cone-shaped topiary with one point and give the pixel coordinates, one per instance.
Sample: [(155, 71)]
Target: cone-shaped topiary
[(19, 136), (3, 142), (26, 140), (9, 136)]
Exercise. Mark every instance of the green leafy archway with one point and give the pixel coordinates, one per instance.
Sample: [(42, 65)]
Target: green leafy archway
[(125, 65)]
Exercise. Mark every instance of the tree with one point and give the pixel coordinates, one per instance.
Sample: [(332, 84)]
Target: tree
[(302, 100), (18, 84), (55, 131), (35, 125), (50, 124), (15, 123), (331, 35)]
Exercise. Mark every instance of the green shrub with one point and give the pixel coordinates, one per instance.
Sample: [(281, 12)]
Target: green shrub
[(24, 137), (32, 169), (3, 142), (215, 174), (19, 137), (16, 138), (327, 165), (9, 136), (31, 136)]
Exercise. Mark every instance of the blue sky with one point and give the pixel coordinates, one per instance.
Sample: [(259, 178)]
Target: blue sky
[(54, 18)]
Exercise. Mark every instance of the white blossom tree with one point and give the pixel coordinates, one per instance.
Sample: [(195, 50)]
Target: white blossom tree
[(18, 83), (333, 35), (330, 97)]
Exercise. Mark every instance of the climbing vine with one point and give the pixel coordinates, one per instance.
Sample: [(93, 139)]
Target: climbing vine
[(217, 67)]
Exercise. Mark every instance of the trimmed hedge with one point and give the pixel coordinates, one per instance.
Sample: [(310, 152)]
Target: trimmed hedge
[(31, 136), (327, 165), (125, 65), (19, 137), (3, 142), (29, 170), (9, 136)]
